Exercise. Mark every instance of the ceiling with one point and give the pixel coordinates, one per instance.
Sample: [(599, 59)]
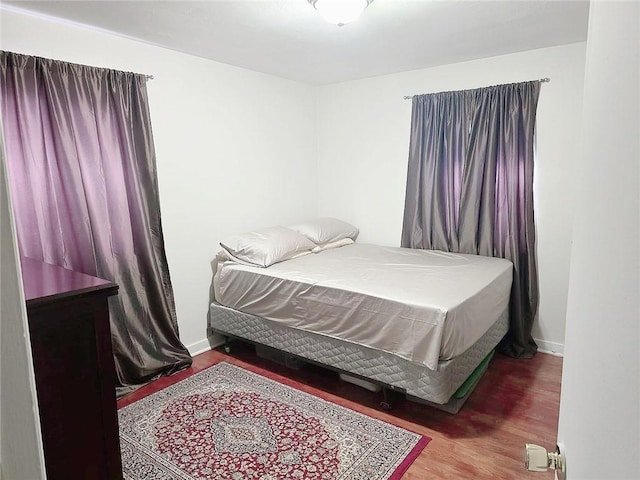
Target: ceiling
[(289, 39)]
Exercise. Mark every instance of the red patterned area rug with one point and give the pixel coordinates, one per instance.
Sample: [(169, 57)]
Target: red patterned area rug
[(228, 423)]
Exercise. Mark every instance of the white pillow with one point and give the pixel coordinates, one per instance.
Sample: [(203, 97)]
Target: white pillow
[(267, 246), (330, 245), (326, 230)]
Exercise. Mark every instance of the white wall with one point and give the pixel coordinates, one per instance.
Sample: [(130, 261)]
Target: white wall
[(600, 401), (236, 150), (363, 151), (20, 442)]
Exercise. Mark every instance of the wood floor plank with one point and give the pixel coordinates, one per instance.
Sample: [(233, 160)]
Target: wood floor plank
[(516, 402)]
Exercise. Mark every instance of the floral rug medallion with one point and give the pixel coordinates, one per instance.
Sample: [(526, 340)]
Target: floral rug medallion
[(228, 423)]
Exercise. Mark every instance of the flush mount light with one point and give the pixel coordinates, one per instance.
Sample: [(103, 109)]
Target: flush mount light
[(340, 12)]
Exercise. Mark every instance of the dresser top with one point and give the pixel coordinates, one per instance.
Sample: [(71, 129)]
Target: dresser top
[(44, 283)]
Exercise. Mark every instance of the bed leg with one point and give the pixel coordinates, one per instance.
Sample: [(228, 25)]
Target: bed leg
[(386, 403), (227, 344)]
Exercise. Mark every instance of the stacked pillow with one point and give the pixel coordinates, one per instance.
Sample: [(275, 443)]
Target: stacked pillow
[(267, 246), (327, 232)]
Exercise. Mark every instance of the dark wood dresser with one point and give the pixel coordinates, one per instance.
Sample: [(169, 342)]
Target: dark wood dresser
[(74, 371)]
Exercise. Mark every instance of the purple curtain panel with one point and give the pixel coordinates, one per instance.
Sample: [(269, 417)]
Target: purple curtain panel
[(470, 187), (83, 180)]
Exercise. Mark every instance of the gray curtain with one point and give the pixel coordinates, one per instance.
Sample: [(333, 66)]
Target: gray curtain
[(470, 187), (82, 173)]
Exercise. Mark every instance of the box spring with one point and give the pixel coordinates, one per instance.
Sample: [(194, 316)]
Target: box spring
[(416, 381)]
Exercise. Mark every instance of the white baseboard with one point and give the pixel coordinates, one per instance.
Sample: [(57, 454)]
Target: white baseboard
[(199, 347), (551, 348), (204, 345)]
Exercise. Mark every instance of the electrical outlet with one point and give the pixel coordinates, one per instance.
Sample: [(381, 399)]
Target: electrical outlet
[(537, 459)]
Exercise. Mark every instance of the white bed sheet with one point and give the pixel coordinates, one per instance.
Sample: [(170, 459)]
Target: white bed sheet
[(421, 305)]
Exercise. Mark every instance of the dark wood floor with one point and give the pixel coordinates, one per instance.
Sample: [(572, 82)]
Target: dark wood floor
[(515, 403)]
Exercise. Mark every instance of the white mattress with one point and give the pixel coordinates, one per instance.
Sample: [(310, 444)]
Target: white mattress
[(420, 305)]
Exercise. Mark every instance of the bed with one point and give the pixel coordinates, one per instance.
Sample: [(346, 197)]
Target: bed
[(415, 321)]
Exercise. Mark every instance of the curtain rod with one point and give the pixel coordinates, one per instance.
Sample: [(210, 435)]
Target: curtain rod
[(149, 77), (542, 80)]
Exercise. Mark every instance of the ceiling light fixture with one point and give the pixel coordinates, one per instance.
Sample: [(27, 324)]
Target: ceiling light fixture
[(340, 12)]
